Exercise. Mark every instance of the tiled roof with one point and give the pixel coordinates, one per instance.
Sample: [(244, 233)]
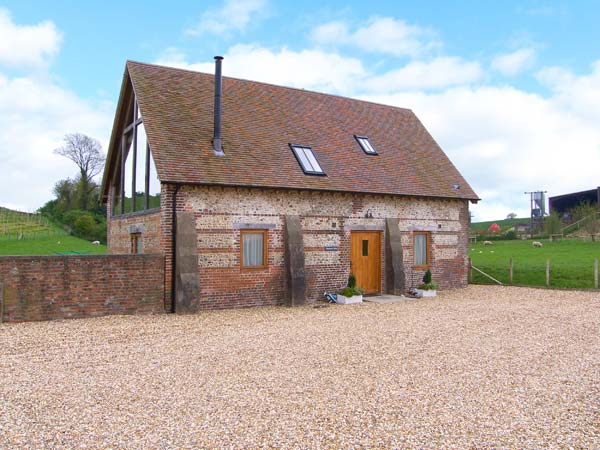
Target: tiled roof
[(260, 120)]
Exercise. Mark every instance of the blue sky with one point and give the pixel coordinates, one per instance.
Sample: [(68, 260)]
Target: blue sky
[(509, 89)]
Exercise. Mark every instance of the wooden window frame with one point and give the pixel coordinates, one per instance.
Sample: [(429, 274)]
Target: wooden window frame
[(135, 238), (427, 235), (265, 263)]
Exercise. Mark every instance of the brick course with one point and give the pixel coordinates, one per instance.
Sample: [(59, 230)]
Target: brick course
[(60, 287)]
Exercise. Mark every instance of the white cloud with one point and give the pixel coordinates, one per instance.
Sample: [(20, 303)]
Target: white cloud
[(511, 64), (34, 117), (380, 35), (437, 73), (234, 15), (309, 69), (506, 141), (27, 45), (35, 114)]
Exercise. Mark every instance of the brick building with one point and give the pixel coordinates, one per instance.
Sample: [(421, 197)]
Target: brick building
[(261, 195)]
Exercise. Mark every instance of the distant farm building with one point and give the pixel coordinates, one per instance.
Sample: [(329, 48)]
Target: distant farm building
[(563, 203)]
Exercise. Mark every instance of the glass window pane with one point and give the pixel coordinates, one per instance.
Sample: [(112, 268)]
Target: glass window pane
[(420, 250), (313, 161), (252, 249), (302, 157), (154, 185), (365, 247), (140, 168), (128, 171), (366, 145)]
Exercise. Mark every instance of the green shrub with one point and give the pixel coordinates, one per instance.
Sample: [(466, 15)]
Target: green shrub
[(427, 277), (428, 284), (350, 292), (84, 225), (352, 281)]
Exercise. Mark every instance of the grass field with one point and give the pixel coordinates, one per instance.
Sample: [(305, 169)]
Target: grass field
[(571, 262), (51, 245)]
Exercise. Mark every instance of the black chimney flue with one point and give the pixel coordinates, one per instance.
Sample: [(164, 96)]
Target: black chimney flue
[(217, 143)]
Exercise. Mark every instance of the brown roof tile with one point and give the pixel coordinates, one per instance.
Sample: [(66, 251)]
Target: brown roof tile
[(259, 121)]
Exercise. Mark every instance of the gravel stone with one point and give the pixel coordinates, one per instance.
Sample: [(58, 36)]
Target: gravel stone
[(483, 367)]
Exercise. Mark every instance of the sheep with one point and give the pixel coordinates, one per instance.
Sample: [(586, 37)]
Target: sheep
[(96, 243), (488, 243), (537, 244)]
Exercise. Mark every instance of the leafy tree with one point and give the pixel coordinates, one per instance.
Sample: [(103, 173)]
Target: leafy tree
[(588, 213), (552, 223), (511, 215), (87, 155)]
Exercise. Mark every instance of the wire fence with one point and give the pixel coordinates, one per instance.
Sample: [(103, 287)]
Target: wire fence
[(19, 225), (554, 273)]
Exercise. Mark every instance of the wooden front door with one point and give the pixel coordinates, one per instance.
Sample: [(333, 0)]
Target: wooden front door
[(365, 260)]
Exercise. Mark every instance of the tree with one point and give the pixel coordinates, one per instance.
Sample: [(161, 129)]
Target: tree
[(511, 215), (588, 214), (552, 223), (86, 153)]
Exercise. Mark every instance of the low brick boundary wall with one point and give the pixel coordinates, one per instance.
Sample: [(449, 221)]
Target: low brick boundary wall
[(61, 287)]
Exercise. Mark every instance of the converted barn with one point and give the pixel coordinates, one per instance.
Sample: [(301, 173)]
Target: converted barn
[(262, 195)]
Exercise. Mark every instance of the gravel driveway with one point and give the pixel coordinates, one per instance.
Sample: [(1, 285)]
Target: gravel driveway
[(481, 367)]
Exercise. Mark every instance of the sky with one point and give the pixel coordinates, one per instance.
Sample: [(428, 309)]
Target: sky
[(510, 90)]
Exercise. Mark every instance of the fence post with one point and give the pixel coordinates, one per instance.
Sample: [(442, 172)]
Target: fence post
[(469, 271), (547, 272), (596, 273), (510, 272)]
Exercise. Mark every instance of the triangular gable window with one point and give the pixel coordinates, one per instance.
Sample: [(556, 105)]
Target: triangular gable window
[(136, 186)]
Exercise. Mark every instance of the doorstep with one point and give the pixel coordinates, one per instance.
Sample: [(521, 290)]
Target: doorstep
[(385, 298)]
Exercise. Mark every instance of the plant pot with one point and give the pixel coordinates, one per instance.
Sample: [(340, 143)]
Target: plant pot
[(349, 300), (423, 293)]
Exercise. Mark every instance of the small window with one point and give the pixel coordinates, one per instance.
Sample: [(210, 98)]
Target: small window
[(307, 160), (253, 249), (421, 249), (366, 145), (365, 247), (136, 243)]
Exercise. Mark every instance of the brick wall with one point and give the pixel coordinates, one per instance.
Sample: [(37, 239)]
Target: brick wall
[(59, 287), (120, 228), (327, 221)]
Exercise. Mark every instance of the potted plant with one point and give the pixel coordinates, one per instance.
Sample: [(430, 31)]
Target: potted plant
[(351, 293), (428, 288)]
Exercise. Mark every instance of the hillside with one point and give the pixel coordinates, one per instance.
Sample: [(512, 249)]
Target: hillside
[(504, 223), (24, 233), (17, 225)]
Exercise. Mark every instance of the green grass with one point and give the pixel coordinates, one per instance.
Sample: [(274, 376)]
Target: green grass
[(571, 262), (50, 246), (504, 223)]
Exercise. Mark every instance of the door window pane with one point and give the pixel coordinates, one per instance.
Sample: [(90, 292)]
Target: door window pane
[(365, 247), (253, 249)]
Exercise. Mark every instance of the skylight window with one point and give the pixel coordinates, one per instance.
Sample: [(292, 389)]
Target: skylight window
[(307, 160), (366, 145)]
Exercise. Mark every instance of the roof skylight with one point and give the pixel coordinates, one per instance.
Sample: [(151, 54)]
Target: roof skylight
[(307, 160), (366, 145)]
